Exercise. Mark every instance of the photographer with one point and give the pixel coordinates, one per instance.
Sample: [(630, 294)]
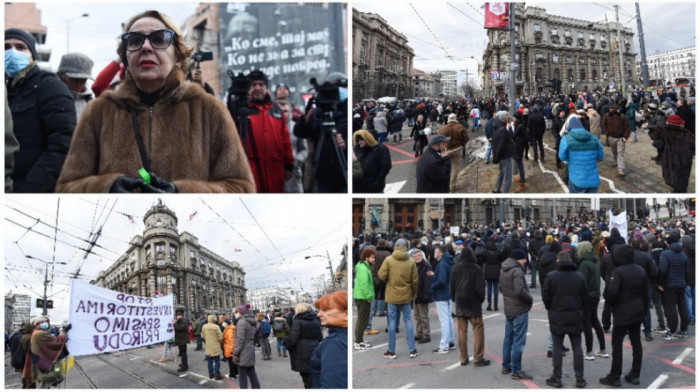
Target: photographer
[(195, 74), (330, 150)]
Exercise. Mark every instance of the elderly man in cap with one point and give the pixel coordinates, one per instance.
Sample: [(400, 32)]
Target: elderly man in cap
[(75, 69), (45, 349), (458, 138), (433, 168), (503, 151), (43, 115)]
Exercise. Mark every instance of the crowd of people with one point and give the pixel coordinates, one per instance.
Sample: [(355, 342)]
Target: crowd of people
[(159, 128), (576, 260), (320, 359), (583, 125)]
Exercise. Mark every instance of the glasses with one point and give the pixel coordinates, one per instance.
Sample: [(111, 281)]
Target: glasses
[(160, 39)]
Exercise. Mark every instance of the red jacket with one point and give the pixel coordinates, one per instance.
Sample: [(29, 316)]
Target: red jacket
[(273, 146)]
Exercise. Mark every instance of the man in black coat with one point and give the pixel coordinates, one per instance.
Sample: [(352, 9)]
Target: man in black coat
[(468, 293), (534, 246), (490, 261), (502, 145), (557, 125), (627, 293), (422, 301), (674, 271), (375, 160), (433, 168), (182, 338), (644, 260), (564, 293), (43, 114), (537, 126)]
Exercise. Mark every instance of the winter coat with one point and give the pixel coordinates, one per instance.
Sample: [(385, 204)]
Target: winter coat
[(520, 140), (285, 332), (244, 346), (370, 121), (418, 126), (424, 282), (688, 115), (329, 362), (380, 123), (364, 286), (677, 156), (564, 295), (582, 150), (197, 327), (626, 292), (213, 338), (379, 284), (502, 143), (376, 164), (43, 116), (674, 267), (440, 289), (548, 261), (536, 124), (490, 259), (396, 122), (616, 125), (303, 340), (607, 267), (613, 241), (630, 114), (557, 125), (457, 132), (513, 286), (182, 336), (433, 172), (467, 289), (594, 121), (644, 260), (229, 340), (401, 274), (104, 146), (688, 244), (591, 272)]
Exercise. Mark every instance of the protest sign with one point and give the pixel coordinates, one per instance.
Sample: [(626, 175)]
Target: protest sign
[(619, 221), (104, 320)]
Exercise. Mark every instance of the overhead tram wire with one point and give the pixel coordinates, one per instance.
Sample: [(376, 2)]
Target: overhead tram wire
[(94, 237), (625, 13), (468, 16), (449, 56), (481, 13)]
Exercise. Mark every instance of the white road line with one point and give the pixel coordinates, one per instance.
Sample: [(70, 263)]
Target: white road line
[(202, 382), (196, 375), (556, 176), (370, 349), (566, 189), (611, 184), (683, 355), (394, 187), (541, 320), (657, 383), (454, 366), (408, 386), (491, 315)]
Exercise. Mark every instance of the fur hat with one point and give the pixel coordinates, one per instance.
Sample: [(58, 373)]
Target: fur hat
[(258, 75), (38, 320)]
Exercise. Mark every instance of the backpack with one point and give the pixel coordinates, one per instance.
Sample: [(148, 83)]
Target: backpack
[(278, 326), (266, 328), (19, 356)]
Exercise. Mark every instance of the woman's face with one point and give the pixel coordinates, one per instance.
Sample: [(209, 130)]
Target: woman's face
[(149, 66), (333, 317)]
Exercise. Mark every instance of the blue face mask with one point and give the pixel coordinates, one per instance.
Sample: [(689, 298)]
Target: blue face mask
[(44, 325), (15, 62), (343, 93)]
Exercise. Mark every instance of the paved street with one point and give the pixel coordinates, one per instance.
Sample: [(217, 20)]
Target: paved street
[(643, 175), (139, 368), (666, 364)]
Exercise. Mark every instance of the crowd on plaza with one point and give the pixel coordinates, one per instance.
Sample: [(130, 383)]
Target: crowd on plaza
[(577, 260), (583, 125), (320, 360), (159, 128)]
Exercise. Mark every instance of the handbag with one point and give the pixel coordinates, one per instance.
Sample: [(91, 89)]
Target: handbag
[(426, 131)]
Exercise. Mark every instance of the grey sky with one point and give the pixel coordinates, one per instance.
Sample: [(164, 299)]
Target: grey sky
[(458, 27), (292, 227)]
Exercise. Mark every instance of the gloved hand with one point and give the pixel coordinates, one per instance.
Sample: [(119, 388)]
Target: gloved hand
[(125, 184), (67, 327), (158, 185)]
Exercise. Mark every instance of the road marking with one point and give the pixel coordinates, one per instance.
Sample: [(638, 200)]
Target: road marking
[(556, 176), (657, 383), (196, 375), (394, 187), (454, 366), (611, 184), (202, 382), (491, 315), (408, 386), (683, 355), (540, 320), (371, 348)]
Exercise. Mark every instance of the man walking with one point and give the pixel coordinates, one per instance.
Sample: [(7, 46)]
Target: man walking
[(440, 294), (517, 304), (458, 138), (618, 130), (675, 270), (502, 152)]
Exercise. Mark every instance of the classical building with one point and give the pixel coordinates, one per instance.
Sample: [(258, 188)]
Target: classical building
[(425, 84), (579, 53), (268, 298), (27, 17), (665, 67), (448, 83), (164, 261), (17, 310), (382, 61)]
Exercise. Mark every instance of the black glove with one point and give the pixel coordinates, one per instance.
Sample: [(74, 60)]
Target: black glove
[(125, 184), (158, 185), (67, 327)]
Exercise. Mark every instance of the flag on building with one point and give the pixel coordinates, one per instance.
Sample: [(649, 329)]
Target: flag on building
[(375, 217), (192, 215)]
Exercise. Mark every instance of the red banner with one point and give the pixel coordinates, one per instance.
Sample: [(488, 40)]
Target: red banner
[(496, 16)]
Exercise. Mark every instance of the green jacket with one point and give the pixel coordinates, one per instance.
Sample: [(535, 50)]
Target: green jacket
[(401, 276), (364, 286), (591, 271), (197, 327)]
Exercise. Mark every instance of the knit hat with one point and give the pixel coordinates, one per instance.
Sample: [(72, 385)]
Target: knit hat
[(518, 254), (452, 118), (242, 309), (673, 238), (258, 75), (38, 320), (676, 120), (76, 66), (638, 234), (401, 242), (549, 239), (23, 36)]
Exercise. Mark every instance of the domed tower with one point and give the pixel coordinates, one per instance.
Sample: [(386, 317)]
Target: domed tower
[(160, 220)]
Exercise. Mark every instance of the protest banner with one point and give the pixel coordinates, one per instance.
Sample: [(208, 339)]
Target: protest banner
[(104, 320), (619, 221)]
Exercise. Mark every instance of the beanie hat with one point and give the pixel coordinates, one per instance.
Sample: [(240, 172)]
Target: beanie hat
[(518, 254), (452, 118), (38, 320), (242, 309), (549, 239), (258, 75), (401, 242), (23, 36), (673, 238), (675, 119)]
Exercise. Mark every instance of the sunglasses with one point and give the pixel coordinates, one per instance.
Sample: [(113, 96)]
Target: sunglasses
[(160, 39)]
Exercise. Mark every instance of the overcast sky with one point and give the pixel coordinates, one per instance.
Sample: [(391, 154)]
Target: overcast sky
[(458, 27), (274, 237)]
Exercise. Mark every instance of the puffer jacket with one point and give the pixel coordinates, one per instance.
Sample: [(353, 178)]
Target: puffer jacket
[(329, 362), (376, 164), (513, 286), (674, 267), (244, 347), (502, 143), (564, 295), (626, 291), (582, 150), (303, 340), (229, 340), (396, 122), (364, 286), (440, 289), (380, 123), (536, 123), (591, 272), (212, 336), (490, 259), (401, 275), (548, 261)]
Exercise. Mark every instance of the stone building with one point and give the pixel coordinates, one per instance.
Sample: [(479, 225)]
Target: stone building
[(165, 261), (17, 310), (425, 84), (579, 53), (448, 83), (381, 59), (27, 17), (665, 67), (267, 298)]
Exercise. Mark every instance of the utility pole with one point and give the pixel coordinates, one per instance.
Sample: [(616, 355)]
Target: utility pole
[(619, 49), (330, 267), (513, 66), (642, 49)]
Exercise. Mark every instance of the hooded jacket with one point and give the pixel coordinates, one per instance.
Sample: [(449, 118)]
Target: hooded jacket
[(380, 122), (626, 291), (364, 286), (467, 287), (457, 133), (582, 150), (244, 347), (376, 163), (513, 286), (548, 261), (189, 137), (564, 295), (594, 121), (303, 340), (502, 142), (397, 119), (591, 272), (536, 123), (674, 267), (440, 289), (676, 157), (424, 282), (433, 172), (490, 259), (401, 274), (329, 361)]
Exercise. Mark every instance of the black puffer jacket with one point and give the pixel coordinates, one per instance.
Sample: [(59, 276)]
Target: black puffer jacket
[(520, 140), (548, 261), (674, 267), (490, 258), (644, 260), (564, 293), (433, 172), (424, 282), (43, 113), (376, 164), (303, 339), (626, 291), (467, 286), (502, 142)]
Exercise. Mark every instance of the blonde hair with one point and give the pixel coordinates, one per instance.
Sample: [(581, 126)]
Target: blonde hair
[(302, 307)]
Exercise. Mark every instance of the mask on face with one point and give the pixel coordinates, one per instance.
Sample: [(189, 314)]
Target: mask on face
[(15, 62), (343, 93), (44, 325), (224, 325)]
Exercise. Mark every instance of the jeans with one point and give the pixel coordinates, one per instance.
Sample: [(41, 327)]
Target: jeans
[(394, 313), (362, 319), (382, 137), (410, 121), (215, 361), (265, 346), (492, 285), (444, 310), (281, 348), (199, 341), (514, 341), (380, 308), (557, 351), (246, 372), (168, 350), (475, 121), (505, 175), (618, 335), (488, 152), (690, 301), (576, 189), (521, 168)]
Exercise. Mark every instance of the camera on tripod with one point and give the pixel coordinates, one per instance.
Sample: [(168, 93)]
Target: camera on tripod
[(202, 56), (327, 95)]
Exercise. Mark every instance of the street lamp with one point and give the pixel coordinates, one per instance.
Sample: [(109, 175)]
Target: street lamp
[(68, 22), (330, 266), (46, 278)]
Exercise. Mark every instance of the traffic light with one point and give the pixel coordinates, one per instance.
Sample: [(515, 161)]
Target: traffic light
[(40, 303)]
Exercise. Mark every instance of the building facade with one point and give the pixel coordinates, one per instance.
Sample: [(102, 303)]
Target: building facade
[(448, 83), (382, 61), (425, 84), (164, 261), (27, 17), (17, 311), (269, 298), (665, 67), (551, 48)]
